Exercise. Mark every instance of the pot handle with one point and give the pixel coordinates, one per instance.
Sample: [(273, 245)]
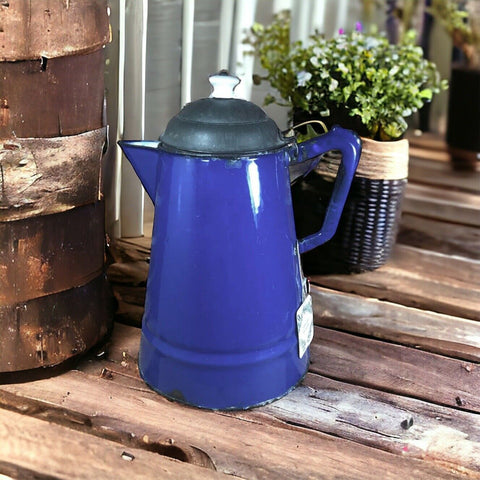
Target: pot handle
[(309, 156)]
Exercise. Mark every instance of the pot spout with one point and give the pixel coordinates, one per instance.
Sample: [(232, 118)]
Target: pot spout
[(144, 157)]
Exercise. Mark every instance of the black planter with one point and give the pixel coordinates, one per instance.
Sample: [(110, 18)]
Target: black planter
[(368, 225), (463, 127)]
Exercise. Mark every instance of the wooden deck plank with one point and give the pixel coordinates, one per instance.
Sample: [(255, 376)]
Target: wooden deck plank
[(420, 279), (442, 204), (251, 444), (434, 332), (401, 425), (364, 415), (35, 449), (443, 237), (369, 417), (397, 369), (425, 168), (426, 141), (246, 445)]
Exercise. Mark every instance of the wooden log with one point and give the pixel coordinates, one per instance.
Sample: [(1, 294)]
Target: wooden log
[(434, 332), (52, 28), (52, 253), (48, 330), (35, 449), (51, 97), (420, 279), (41, 176)]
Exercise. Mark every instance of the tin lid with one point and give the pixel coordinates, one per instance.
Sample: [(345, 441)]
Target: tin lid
[(222, 124)]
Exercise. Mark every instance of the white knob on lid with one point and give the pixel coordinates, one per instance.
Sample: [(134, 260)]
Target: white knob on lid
[(223, 84)]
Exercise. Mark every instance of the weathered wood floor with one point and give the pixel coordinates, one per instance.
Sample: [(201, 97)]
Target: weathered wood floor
[(393, 390)]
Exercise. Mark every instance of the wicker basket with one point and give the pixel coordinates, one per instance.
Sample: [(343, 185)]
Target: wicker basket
[(369, 222)]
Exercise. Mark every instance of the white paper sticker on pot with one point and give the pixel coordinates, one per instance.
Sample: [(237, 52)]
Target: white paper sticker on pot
[(305, 325)]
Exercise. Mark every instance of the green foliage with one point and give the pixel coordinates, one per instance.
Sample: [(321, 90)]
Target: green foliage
[(352, 75), (461, 20)]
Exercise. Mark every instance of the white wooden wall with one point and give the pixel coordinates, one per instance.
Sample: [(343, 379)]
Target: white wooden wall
[(164, 52)]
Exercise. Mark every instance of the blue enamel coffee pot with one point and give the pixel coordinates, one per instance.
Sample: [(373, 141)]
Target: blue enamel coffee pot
[(228, 317)]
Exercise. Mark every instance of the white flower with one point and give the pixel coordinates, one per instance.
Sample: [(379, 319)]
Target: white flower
[(342, 67), (303, 77), (371, 42), (393, 70), (333, 84)]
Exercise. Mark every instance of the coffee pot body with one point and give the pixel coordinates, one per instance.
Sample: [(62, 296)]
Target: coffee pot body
[(228, 316)]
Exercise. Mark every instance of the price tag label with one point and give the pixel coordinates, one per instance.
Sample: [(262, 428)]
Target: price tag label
[(305, 325)]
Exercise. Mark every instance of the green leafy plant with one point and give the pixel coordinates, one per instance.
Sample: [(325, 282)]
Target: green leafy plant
[(461, 20), (355, 80)]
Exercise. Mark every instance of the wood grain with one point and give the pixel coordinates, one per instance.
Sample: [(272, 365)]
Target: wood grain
[(51, 253), (34, 449), (442, 204), (51, 329), (418, 278), (434, 332), (443, 237), (248, 444), (55, 28), (41, 176), (364, 415), (401, 425), (395, 368), (440, 173), (51, 97)]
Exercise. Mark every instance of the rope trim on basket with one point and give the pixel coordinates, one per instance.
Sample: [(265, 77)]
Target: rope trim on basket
[(379, 160)]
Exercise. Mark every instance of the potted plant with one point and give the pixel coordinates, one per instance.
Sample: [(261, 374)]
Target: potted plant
[(461, 20), (361, 82)]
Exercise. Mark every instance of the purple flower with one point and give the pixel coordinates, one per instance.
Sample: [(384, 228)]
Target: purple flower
[(341, 31), (358, 26)]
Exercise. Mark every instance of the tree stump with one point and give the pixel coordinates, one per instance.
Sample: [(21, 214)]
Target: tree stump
[(55, 302)]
